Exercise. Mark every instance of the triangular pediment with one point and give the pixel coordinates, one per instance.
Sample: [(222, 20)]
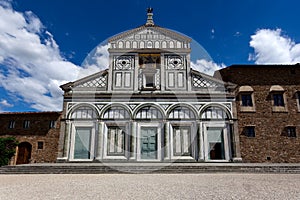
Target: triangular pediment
[(97, 81), (149, 37)]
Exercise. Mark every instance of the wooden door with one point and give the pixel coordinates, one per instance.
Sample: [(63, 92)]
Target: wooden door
[(24, 153)]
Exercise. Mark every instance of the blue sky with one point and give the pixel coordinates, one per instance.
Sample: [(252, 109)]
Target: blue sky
[(58, 35)]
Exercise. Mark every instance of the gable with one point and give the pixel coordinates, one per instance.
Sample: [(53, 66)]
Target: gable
[(149, 37)]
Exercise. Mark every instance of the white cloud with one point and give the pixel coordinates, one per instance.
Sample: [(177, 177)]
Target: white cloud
[(31, 62), (97, 60), (207, 67), (4, 103), (272, 47)]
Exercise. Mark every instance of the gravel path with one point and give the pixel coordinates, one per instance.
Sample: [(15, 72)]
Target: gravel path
[(151, 186)]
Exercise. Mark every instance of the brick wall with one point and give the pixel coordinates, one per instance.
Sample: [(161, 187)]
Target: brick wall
[(270, 143)]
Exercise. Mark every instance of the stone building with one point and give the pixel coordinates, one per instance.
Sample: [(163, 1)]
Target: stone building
[(149, 105), (268, 111), (36, 132)]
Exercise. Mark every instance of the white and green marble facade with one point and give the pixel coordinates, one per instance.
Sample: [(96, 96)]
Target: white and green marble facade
[(149, 106)]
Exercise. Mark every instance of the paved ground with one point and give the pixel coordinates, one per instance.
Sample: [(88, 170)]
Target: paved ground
[(151, 186)]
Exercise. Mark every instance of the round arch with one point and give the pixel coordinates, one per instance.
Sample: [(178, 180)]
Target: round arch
[(215, 105), (182, 105), (148, 106), (79, 105), (116, 105)]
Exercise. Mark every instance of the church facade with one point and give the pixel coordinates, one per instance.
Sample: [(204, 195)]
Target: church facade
[(149, 105)]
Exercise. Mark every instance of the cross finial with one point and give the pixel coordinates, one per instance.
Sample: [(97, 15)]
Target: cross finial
[(150, 21), (149, 10)]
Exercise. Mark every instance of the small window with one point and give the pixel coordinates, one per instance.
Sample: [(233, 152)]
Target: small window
[(12, 124), (52, 124), (40, 145), (278, 100), (149, 80), (26, 124), (247, 100), (291, 131), (250, 131)]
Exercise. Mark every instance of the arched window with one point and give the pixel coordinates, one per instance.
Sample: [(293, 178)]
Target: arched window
[(142, 45), (164, 44), (116, 113), (181, 112), (157, 44), (84, 112), (214, 112), (171, 44), (127, 44), (134, 44), (120, 44), (149, 112)]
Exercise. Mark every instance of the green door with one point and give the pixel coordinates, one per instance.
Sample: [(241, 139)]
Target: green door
[(148, 143)]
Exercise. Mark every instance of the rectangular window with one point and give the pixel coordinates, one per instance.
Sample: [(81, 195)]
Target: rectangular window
[(180, 80), (149, 80), (247, 100), (171, 80), (26, 124), (181, 141), (278, 99), (52, 124), (40, 145), (250, 131), (116, 141), (118, 79), (291, 131), (127, 79), (12, 124)]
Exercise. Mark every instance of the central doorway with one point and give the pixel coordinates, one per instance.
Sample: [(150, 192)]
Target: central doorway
[(149, 143)]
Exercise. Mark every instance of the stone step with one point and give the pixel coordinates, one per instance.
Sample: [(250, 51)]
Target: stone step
[(148, 168)]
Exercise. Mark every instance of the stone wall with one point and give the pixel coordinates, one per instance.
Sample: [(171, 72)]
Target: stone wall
[(271, 143), (39, 131)]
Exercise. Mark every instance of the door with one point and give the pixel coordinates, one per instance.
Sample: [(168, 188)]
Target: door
[(215, 143), (24, 153), (148, 143)]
